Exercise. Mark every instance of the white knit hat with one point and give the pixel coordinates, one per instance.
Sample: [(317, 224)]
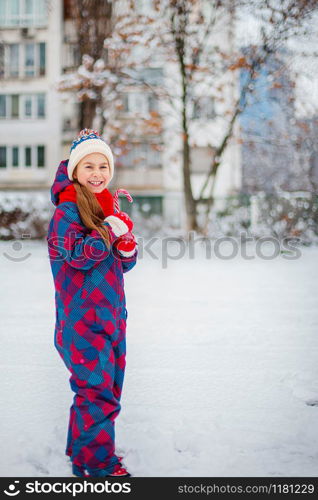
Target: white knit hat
[(88, 141)]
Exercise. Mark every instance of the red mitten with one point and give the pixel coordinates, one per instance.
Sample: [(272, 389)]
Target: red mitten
[(120, 223), (126, 244)]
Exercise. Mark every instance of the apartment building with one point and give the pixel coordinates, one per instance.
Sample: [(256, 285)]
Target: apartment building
[(279, 149), (30, 123)]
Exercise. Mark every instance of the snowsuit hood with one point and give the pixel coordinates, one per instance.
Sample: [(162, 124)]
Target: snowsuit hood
[(60, 182)]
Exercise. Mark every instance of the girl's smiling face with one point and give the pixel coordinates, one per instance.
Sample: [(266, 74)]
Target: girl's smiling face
[(93, 172)]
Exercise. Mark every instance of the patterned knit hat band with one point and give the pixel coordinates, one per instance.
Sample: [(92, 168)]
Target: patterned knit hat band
[(88, 141)]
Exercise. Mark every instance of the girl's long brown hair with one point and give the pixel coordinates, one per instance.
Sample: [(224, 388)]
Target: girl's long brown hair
[(90, 211)]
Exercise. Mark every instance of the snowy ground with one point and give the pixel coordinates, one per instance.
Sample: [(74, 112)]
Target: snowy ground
[(221, 376)]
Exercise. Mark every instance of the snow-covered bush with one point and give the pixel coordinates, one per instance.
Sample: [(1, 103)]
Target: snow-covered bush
[(24, 214), (281, 215), (286, 214), (232, 219)]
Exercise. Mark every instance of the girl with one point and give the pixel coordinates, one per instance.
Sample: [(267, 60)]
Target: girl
[(90, 246)]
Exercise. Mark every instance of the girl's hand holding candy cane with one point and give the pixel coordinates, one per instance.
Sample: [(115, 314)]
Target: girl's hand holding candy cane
[(120, 223)]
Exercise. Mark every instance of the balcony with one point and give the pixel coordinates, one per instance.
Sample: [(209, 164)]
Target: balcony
[(23, 13), (139, 179)]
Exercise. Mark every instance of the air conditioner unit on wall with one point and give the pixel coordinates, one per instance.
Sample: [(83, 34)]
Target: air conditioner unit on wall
[(28, 32)]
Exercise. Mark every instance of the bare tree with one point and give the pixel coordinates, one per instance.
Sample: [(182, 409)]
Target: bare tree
[(92, 22)]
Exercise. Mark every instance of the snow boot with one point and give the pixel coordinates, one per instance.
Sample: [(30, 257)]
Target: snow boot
[(79, 470), (120, 472)]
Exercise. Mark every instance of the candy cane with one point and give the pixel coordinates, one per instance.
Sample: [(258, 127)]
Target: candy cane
[(116, 201)]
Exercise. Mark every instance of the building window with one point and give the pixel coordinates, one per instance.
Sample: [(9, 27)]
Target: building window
[(42, 58), (204, 108), (15, 106), (152, 103), (71, 55), (139, 102), (136, 103), (3, 106), (153, 76), (146, 205), (23, 13), (2, 65), (28, 160), (125, 103), (40, 105), (26, 106), (11, 10), (141, 155), (143, 7), (14, 59), (30, 157), (150, 205), (32, 56), (40, 155), (15, 156), (29, 62), (34, 106), (3, 156)]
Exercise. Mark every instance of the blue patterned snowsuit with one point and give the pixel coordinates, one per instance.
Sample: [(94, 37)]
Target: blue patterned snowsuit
[(89, 331)]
